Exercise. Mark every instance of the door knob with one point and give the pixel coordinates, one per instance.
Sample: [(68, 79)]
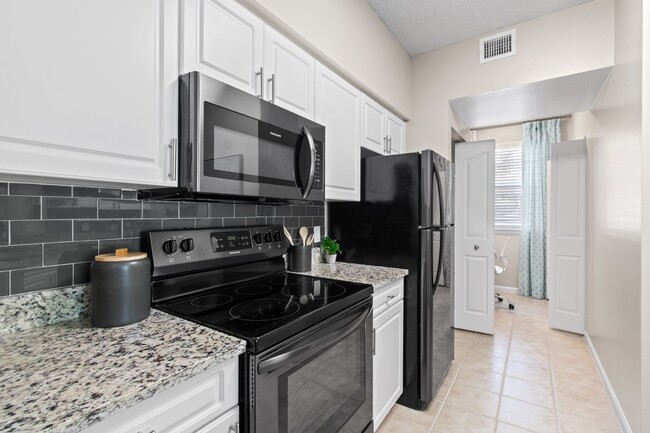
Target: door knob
[(475, 247)]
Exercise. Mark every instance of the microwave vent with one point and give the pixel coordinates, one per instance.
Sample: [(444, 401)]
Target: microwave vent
[(498, 46)]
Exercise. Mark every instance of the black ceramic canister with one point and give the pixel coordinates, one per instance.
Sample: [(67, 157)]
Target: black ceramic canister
[(300, 258), (120, 288)]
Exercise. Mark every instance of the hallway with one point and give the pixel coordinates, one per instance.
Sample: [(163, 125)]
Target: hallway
[(525, 378)]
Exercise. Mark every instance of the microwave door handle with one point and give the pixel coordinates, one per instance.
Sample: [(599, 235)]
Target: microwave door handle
[(285, 360), (312, 160)]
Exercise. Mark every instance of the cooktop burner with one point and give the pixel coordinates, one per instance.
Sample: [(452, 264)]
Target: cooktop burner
[(265, 309), (212, 300)]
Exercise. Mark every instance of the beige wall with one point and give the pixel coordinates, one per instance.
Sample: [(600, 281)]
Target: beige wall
[(352, 40), (570, 41), (613, 130)]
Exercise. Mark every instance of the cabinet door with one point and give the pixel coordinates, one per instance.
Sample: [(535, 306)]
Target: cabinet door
[(338, 108), (387, 371), (289, 74), (373, 126), (92, 90), (396, 132), (223, 39), (226, 423), (183, 408)]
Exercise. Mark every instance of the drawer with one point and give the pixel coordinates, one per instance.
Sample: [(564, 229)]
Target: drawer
[(387, 296), (183, 408)]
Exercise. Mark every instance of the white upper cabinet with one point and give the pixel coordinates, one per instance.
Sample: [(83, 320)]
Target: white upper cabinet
[(91, 92), (374, 137), (383, 132), (338, 108), (396, 133), (289, 74), (223, 40)]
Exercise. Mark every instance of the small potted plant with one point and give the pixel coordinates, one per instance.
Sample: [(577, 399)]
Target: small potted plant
[(330, 248)]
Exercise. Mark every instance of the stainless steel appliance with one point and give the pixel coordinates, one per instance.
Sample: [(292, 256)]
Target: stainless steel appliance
[(234, 145), (405, 219), (308, 365)]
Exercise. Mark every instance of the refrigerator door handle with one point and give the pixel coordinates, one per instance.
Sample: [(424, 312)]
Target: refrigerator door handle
[(441, 203), (440, 255)]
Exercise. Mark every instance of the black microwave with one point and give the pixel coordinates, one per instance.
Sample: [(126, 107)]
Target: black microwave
[(233, 145)]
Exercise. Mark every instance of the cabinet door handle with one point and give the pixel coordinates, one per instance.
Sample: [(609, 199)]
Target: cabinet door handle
[(261, 75), (373, 342), (173, 146), (389, 297), (271, 81), (234, 428), (390, 144), (386, 144)]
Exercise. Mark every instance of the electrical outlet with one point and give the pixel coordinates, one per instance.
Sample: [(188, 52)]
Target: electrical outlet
[(316, 234)]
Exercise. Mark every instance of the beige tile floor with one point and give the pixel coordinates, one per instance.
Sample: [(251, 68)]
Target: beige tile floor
[(525, 378)]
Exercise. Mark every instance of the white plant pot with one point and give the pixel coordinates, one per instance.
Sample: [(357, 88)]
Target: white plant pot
[(330, 259)]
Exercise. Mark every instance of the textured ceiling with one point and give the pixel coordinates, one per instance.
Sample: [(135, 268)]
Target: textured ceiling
[(424, 25)]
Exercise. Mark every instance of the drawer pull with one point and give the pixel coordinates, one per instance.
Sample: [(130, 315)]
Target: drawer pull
[(389, 297)]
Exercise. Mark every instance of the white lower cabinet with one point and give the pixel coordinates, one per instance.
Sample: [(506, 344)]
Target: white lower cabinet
[(206, 403), (388, 345)]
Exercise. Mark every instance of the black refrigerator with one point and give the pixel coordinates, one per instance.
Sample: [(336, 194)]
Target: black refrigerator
[(405, 219)]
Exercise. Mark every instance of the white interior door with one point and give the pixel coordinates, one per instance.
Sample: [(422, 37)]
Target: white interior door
[(566, 236), (474, 237)]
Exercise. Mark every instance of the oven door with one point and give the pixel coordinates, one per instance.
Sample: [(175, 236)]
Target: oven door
[(319, 381)]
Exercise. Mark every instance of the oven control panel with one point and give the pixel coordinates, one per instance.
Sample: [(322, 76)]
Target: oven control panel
[(190, 250)]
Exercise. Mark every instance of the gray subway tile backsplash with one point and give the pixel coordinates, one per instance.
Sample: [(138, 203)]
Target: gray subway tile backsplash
[(40, 231), (69, 208), (4, 233), (20, 208), (134, 228), (40, 190), (4, 283), (82, 191), (109, 208), (53, 245), (30, 280), (69, 252), (81, 273), (159, 209), (20, 257), (85, 230)]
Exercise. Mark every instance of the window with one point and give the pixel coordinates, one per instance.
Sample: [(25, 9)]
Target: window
[(507, 188)]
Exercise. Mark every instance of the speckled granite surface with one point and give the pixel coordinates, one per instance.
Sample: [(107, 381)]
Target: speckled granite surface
[(29, 310), (378, 276), (68, 376)]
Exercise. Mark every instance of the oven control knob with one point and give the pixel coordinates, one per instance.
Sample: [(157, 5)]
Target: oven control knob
[(187, 245), (257, 238), (277, 236), (267, 237), (169, 247)]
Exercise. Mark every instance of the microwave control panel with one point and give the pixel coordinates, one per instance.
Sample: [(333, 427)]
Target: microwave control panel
[(318, 176)]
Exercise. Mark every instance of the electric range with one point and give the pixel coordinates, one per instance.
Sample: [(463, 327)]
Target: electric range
[(305, 336)]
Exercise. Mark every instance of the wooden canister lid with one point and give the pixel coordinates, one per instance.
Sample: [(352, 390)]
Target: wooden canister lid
[(120, 255)]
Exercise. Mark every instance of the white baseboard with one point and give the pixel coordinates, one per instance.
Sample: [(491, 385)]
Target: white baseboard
[(625, 426), (512, 290)]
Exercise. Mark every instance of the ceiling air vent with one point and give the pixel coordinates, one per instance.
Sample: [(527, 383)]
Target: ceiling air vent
[(498, 46)]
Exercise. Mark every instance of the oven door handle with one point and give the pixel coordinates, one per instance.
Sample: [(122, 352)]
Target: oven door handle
[(312, 162), (285, 359)]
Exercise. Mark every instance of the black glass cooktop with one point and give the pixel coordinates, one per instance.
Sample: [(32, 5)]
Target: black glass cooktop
[(268, 310)]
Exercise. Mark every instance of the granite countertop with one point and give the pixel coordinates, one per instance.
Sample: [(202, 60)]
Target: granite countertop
[(67, 376), (378, 276)]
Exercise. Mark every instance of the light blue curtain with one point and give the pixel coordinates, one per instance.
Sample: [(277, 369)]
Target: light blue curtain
[(536, 151)]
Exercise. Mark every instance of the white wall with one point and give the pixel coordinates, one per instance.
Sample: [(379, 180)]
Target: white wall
[(614, 223), (353, 40), (570, 41)]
